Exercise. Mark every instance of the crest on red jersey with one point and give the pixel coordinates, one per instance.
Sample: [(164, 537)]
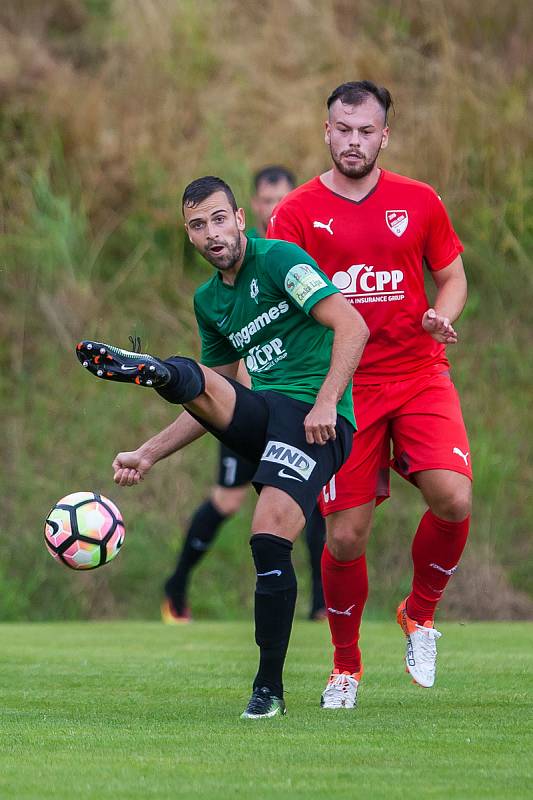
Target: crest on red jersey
[(397, 221)]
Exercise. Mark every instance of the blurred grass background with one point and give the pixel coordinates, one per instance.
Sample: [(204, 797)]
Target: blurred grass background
[(108, 108)]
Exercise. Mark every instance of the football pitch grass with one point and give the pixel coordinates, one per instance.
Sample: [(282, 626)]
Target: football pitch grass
[(139, 710)]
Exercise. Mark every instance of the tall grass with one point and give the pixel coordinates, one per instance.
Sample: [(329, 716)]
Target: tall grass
[(109, 108)]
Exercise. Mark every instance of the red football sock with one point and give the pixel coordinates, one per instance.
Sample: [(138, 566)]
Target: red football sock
[(436, 550), (345, 585)]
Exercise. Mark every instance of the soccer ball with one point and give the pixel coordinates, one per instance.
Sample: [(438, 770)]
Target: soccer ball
[(84, 530)]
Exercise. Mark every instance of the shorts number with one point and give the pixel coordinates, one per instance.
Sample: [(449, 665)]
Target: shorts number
[(230, 470), (331, 493)]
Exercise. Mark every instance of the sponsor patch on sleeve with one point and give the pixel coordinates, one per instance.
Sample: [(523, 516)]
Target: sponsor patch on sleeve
[(301, 283)]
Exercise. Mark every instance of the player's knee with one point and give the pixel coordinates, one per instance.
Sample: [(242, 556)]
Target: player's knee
[(346, 542), (228, 501), (455, 505)]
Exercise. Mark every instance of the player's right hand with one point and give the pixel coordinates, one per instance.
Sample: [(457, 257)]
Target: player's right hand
[(130, 468), (320, 423), (439, 327)]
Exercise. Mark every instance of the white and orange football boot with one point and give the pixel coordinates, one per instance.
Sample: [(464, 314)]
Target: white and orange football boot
[(421, 647), (341, 690)]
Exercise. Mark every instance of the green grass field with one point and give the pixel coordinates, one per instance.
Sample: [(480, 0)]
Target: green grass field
[(139, 710)]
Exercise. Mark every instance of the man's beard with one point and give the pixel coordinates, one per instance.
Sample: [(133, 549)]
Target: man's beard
[(229, 257), (360, 170)]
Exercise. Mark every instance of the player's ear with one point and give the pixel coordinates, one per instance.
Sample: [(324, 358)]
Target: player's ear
[(241, 219), (384, 138), (327, 133), (188, 233)]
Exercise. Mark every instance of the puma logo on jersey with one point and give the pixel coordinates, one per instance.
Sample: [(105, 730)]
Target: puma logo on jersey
[(326, 226), (460, 453)]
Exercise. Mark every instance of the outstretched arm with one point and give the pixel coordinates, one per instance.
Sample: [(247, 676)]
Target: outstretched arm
[(350, 336), (131, 467), (449, 302)]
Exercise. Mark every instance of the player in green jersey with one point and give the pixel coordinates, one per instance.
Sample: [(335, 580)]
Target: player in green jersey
[(270, 185), (270, 307)]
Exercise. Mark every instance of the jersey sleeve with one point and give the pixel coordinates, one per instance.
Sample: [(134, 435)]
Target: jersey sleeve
[(216, 350), (442, 244), (286, 224), (298, 276)]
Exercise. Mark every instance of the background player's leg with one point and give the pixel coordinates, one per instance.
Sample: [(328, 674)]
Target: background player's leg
[(345, 581), (277, 521), (315, 536), (440, 539), (226, 498), (201, 533)]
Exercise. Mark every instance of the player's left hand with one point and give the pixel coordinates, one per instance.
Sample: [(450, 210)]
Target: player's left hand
[(439, 327), (320, 423)]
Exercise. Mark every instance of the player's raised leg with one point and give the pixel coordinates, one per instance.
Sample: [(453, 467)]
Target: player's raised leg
[(177, 379)]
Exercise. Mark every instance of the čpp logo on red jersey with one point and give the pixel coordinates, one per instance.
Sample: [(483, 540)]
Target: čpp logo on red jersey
[(363, 283)]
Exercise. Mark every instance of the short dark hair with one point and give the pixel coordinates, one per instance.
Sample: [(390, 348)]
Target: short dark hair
[(356, 92), (202, 188), (274, 174)]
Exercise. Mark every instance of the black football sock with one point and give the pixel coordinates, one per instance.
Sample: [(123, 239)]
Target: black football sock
[(315, 536), (186, 380), (200, 535), (275, 598)]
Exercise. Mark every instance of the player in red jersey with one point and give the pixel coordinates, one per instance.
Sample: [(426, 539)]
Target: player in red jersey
[(372, 231)]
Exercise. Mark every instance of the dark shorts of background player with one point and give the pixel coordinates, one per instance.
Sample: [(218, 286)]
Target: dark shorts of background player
[(234, 470), (268, 430)]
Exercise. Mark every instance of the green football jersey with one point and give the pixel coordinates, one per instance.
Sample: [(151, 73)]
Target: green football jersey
[(264, 319)]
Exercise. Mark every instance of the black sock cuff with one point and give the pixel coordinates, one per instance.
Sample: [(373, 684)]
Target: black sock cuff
[(187, 380), (273, 564), (266, 537)]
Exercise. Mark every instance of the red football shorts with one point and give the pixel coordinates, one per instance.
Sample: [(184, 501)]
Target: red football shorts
[(420, 418)]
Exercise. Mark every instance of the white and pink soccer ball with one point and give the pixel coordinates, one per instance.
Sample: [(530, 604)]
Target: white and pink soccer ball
[(84, 530)]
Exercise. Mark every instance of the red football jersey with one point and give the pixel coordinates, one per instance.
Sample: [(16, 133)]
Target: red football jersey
[(374, 251)]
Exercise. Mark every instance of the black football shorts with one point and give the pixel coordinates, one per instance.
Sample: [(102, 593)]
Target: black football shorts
[(267, 430)]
